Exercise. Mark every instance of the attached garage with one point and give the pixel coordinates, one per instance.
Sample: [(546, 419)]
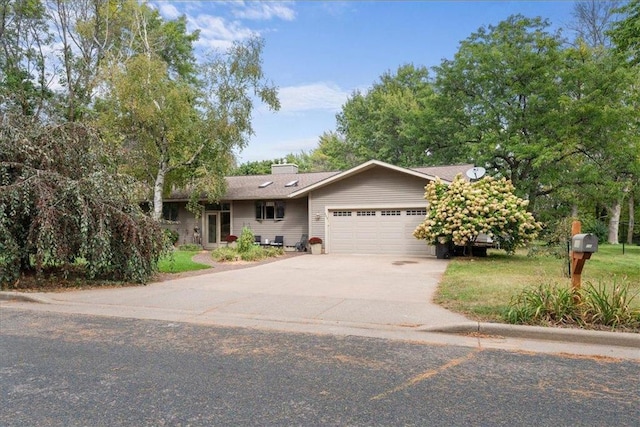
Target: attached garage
[(376, 231), (373, 208)]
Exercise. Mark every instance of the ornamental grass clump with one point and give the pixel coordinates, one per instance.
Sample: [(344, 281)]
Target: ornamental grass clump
[(459, 212), (601, 306)]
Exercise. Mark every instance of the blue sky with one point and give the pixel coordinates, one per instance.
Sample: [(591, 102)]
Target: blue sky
[(318, 53)]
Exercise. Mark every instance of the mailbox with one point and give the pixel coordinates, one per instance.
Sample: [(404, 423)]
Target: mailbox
[(584, 243)]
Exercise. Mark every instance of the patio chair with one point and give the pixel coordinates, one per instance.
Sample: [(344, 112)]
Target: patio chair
[(278, 241), (257, 239), (301, 246)]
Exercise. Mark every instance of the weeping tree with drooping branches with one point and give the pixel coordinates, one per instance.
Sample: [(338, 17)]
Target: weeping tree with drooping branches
[(62, 206)]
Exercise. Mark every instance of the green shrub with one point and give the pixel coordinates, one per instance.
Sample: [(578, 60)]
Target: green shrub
[(597, 228), (273, 251), (246, 240), (190, 247), (254, 253), (225, 254), (171, 235)]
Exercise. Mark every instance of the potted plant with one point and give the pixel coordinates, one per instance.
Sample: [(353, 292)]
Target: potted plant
[(231, 240), (316, 245)]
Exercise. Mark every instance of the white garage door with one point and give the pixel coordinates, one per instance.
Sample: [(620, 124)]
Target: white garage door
[(377, 231)]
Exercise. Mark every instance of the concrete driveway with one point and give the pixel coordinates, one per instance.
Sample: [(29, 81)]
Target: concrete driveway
[(372, 292)]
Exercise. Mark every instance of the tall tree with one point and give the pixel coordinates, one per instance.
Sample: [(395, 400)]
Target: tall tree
[(177, 132), (500, 94), (91, 32), (625, 33), (380, 123), (599, 122), (333, 152), (24, 38), (593, 19)]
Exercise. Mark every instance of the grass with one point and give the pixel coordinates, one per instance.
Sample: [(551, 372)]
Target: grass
[(180, 261), (482, 288)]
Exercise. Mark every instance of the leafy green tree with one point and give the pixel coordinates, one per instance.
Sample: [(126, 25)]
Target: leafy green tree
[(60, 202), (459, 212), (24, 36), (600, 125), (499, 96), (333, 153), (174, 130), (92, 34), (260, 167), (625, 33), (380, 123)]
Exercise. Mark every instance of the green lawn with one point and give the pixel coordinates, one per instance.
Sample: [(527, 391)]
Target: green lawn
[(180, 261), (482, 288)]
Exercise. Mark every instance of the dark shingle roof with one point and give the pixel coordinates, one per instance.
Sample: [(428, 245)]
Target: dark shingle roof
[(247, 187)]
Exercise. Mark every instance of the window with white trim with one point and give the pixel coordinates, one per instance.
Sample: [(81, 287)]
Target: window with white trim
[(366, 213), (341, 213), (390, 213), (270, 209)]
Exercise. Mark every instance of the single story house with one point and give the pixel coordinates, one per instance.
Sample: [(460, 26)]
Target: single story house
[(372, 208)]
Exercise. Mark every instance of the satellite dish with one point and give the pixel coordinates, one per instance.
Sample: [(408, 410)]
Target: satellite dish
[(476, 173)]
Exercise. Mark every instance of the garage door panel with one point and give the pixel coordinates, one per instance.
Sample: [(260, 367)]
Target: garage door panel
[(371, 232)]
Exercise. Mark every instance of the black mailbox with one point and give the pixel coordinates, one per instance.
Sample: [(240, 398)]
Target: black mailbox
[(584, 243)]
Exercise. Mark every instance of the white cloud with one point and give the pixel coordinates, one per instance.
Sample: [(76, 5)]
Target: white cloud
[(217, 33), (168, 11), (222, 23), (265, 10), (315, 96)]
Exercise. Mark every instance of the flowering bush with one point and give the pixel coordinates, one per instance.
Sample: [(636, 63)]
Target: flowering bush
[(315, 241), (231, 238), (459, 212)]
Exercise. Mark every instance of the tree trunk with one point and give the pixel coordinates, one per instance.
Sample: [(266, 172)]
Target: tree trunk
[(574, 211), (632, 213), (614, 222), (158, 186)]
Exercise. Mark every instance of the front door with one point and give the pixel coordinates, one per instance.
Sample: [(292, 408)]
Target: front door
[(211, 232)]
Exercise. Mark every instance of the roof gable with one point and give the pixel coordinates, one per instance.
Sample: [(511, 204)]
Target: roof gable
[(446, 173)]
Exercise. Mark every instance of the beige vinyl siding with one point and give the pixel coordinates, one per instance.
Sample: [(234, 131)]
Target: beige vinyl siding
[(184, 224), (376, 187), (291, 227)]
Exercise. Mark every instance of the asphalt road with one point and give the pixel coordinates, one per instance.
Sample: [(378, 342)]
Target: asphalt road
[(75, 370)]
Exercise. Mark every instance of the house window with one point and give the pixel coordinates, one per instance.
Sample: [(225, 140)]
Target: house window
[(390, 213), (341, 213), (225, 224), (270, 209), (366, 213), (417, 212), (170, 211)]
